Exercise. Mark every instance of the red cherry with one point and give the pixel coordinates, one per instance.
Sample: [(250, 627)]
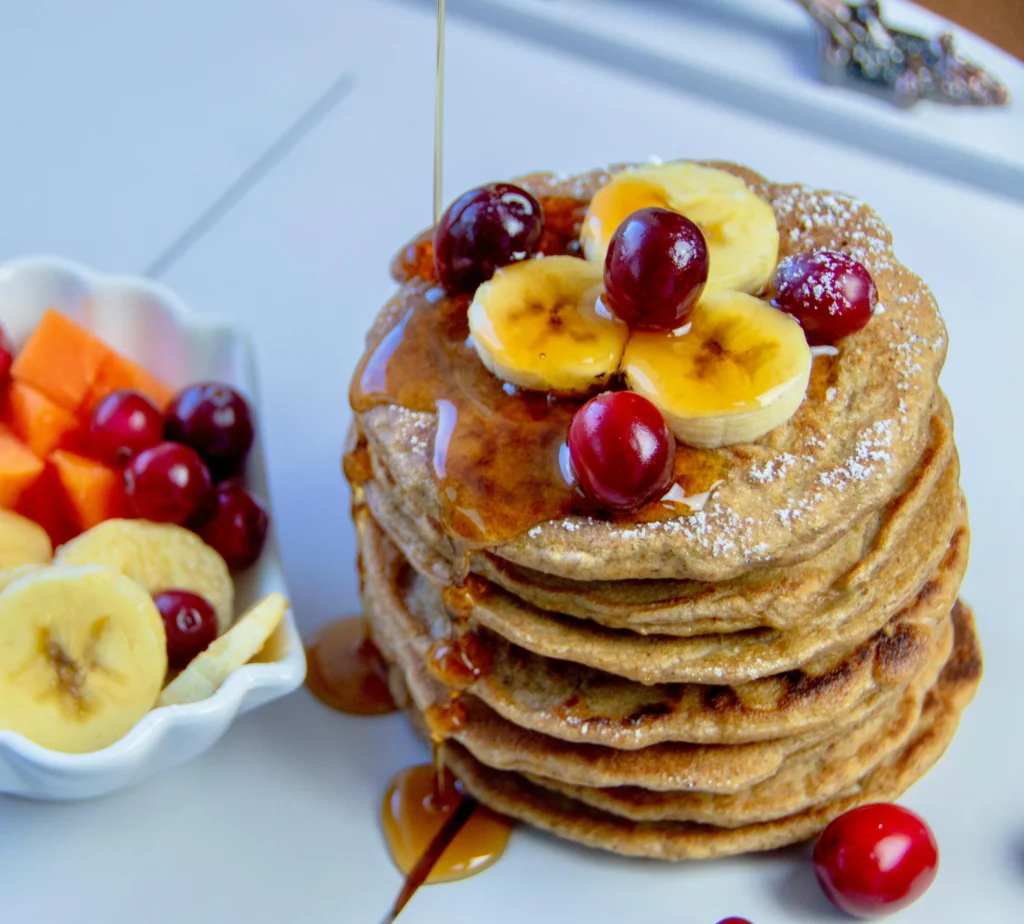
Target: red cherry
[(621, 450), (656, 268), (6, 356), (190, 623), (829, 293), (123, 424), (168, 483), (216, 422), (237, 527), (734, 921), (483, 229), (875, 860)]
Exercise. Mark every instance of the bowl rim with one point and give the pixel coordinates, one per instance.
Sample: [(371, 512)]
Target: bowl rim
[(282, 676)]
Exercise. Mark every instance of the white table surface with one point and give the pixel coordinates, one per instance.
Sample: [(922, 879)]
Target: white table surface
[(278, 822)]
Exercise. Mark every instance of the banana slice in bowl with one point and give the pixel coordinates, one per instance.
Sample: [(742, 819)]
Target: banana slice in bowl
[(737, 371), (541, 325), (238, 646), (739, 227), (83, 656), (22, 542), (159, 556)]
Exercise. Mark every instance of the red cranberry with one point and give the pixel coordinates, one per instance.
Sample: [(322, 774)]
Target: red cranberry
[(621, 450), (483, 229), (168, 483), (190, 622), (829, 293), (237, 527), (123, 424), (875, 860), (6, 356), (656, 268), (216, 422)]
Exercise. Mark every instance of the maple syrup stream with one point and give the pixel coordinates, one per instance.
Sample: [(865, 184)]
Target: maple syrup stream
[(499, 467), (435, 831)]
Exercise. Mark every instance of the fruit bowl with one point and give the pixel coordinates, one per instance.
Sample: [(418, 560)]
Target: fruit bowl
[(151, 326)]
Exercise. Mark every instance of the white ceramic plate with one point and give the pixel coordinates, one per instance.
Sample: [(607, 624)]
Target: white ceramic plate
[(149, 324)]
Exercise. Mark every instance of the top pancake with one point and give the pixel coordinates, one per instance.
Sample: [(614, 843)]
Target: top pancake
[(846, 452)]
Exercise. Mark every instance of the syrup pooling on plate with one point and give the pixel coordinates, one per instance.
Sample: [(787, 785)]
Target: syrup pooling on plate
[(346, 671), (414, 810)]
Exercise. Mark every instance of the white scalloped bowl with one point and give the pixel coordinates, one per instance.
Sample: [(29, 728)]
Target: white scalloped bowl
[(150, 325)]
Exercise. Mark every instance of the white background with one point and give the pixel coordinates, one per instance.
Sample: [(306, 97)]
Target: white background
[(124, 123)]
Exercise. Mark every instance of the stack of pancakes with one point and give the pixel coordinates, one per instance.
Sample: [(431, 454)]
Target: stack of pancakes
[(712, 684)]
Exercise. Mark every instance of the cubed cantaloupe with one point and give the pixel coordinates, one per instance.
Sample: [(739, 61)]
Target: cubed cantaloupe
[(94, 492), (20, 468), (42, 424), (118, 372), (62, 360)]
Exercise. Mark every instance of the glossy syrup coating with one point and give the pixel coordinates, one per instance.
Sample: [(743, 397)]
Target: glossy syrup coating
[(875, 860), (168, 483), (122, 425), (828, 292), (656, 269), (483, 229), (621, 451)]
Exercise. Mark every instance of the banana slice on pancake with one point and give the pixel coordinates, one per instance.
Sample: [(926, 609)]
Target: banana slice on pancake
[(740, 227), (541, 325), (739, 370)]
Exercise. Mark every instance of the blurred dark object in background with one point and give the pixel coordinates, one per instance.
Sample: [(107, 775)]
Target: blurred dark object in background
[(861, 50)]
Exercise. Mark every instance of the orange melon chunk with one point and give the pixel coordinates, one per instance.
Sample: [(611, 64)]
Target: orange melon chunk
[(118, 372), (20, 468), (94, 492), (42, 424), (62, 360)]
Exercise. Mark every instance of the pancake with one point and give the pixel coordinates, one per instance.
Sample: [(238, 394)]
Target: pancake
[(857, 575), (844, 454), (576, 703), (855, 610), (515, 796), (661, 767), (807, 778)]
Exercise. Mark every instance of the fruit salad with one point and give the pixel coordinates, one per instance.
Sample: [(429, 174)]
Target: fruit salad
[(123, 517)]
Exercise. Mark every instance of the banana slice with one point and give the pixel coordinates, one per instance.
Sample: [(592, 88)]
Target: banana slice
[(159, 556), (540, 325), (238, 646), (22, 542), (82, 657), (740, 227), (9, 575), (740, 369)]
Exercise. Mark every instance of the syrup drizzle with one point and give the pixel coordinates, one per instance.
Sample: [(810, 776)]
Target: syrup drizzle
[(499, 453), (346, 671), (437, 833), (439, 114)]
